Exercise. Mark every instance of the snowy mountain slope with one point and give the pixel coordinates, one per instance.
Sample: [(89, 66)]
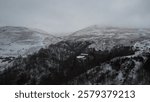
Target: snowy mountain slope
[(105, 38), (16, 41), (129, 69), (94, 55), (60, 64)]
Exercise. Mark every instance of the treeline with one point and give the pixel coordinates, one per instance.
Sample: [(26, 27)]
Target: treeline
[(58, 63)]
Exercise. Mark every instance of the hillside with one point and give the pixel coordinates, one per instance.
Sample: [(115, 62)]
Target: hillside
[(93, 55), (107, 37), (16, 41)]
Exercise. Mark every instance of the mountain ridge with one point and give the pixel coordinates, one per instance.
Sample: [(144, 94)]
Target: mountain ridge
[(93, 56), (21, 41)]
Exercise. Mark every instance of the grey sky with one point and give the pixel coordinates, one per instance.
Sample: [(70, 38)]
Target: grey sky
[(71, 15)]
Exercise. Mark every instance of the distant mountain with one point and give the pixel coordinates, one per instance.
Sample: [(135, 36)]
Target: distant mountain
[(104, 38), (94, 55), (15, 41)]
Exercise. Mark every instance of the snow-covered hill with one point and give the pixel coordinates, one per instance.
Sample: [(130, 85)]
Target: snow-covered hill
[(105, 38), (94, 55), (15, 41)]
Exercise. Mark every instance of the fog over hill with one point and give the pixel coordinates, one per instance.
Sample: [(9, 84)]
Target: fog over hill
[(93, 55)]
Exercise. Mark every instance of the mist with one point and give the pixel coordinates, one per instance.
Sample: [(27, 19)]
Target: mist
[(70, 15)]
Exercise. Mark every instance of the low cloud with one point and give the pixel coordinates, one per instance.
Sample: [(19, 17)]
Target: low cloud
[(71, 15)]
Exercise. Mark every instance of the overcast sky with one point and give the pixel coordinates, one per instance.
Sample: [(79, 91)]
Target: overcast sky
[(71, 15)]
